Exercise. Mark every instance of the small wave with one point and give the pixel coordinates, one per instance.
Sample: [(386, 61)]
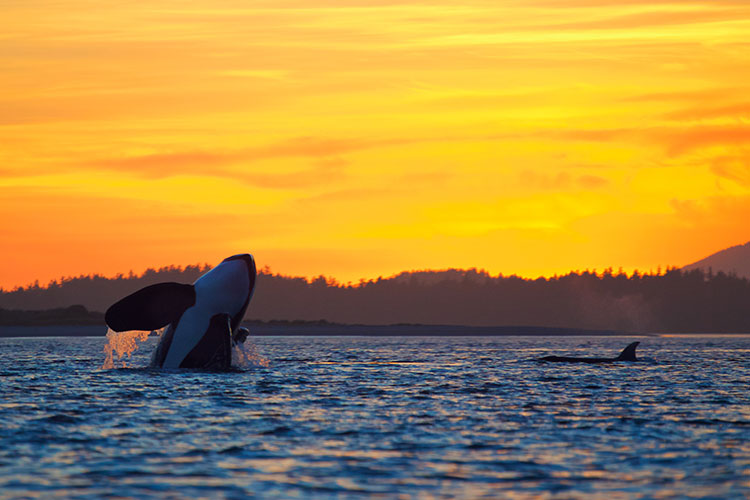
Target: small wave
[(276, 431), (232, 450), (60, 418), (717, 421)]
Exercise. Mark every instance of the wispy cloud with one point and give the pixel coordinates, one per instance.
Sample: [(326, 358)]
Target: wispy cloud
[(735, 167), (675, 141), (688, 96), (162, 165), (740, 110), (328, 150), (681, 141), (654, 18), (562, 181)]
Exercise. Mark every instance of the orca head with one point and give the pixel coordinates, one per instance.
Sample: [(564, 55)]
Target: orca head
[(246, 257), (232, 282)]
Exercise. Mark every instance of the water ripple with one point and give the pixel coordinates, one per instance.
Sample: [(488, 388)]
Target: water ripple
[(353, 417)]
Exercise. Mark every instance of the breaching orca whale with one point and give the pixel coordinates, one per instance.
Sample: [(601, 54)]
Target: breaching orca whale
[(203, 318), (627, 354)]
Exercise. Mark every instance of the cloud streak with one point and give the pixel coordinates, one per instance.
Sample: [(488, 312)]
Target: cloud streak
[(326, 151)]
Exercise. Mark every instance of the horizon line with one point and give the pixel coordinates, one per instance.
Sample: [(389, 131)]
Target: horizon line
[(333, 281)]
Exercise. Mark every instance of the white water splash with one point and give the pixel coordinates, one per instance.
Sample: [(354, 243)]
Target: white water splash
[(121, 345), (246, 355)]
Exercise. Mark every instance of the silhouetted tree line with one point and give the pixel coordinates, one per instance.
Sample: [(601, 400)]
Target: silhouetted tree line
[(94, 292), (73, 315), (673, 301)]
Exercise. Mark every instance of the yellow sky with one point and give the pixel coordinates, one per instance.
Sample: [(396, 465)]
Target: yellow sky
[(362, 138)]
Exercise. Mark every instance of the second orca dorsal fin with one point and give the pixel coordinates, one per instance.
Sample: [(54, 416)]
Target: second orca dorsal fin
[(628, 354), (150, 308)]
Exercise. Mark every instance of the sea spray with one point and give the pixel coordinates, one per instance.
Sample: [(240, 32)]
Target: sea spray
[(121, 345), (246, 355)]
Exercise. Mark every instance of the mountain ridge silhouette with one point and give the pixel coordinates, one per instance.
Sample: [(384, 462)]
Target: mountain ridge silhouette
[(732, 260)]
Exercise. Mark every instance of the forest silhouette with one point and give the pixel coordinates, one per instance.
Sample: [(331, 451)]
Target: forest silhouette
[(673, 301)]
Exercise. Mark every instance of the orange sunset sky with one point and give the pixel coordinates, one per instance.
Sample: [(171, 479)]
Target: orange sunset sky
[(362, 138)]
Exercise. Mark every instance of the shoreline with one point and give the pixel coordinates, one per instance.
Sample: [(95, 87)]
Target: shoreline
[(334, 330)]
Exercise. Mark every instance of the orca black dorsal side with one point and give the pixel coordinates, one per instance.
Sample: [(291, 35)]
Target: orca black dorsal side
[(628, 354)]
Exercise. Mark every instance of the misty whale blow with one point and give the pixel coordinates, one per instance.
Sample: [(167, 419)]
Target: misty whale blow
[(627, 354), (203, 318)]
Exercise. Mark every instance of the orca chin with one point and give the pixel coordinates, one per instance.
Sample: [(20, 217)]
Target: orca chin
[(202, 320), (627, 354)]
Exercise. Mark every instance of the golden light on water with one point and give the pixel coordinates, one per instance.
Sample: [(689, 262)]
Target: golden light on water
[(364, 138)]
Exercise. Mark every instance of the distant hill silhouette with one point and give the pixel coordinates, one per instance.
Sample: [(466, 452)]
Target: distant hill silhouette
[(733, 260), (675, 301)]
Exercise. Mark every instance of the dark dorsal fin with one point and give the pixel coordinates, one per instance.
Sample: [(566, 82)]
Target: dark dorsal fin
[(628, 354), (150, 308)]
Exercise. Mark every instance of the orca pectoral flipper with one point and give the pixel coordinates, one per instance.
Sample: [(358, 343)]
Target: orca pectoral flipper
[(214, 350), (240, 335), (150, 308)]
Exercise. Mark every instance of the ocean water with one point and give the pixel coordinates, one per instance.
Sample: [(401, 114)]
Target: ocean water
[(364, 417)]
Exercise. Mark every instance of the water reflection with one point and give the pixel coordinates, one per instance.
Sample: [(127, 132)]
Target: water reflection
[(351, 417)]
